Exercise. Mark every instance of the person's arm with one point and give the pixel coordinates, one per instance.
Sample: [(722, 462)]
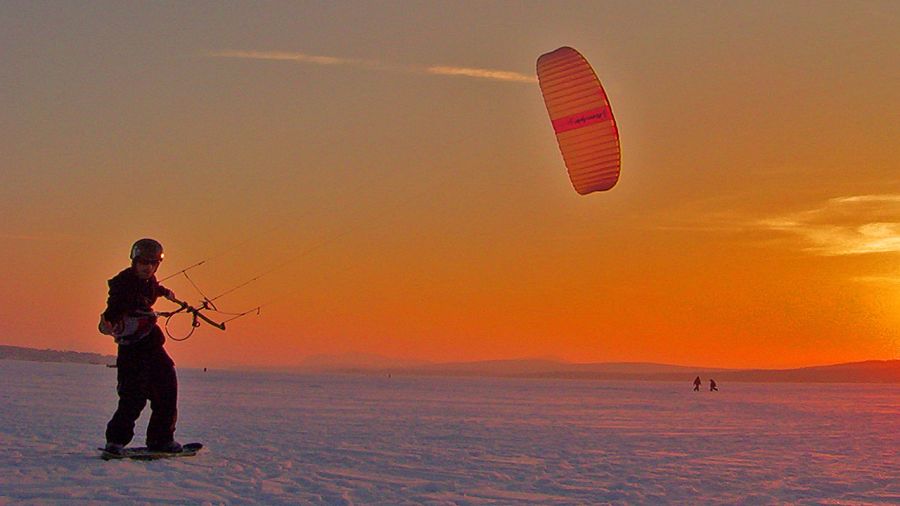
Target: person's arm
[(117, 302), (162, 291), (111, 320)]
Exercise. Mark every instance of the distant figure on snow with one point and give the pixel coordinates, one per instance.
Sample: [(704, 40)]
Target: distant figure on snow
[(697, 383), (712, 385), (145, 370)]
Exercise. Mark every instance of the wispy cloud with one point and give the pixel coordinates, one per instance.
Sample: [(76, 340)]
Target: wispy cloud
[(880, 280), (496, 75), (851, 225), (441, 70)]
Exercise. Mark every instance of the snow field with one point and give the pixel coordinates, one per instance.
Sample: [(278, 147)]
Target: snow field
[(295, 439)]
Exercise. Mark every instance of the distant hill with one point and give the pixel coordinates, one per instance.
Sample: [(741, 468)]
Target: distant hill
[(363, 361), (35, 355), (553, 369), (873, 371)]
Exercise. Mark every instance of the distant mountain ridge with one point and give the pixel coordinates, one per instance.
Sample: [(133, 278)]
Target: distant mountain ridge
[(328, 362), (871, 371), (47, 355)]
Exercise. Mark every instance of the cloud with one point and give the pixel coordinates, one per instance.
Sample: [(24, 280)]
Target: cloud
[(853, 225), (496, 75), (441, 70), (879, 280)]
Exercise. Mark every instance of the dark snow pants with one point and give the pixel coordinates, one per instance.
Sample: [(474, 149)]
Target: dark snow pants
[(145, 372)]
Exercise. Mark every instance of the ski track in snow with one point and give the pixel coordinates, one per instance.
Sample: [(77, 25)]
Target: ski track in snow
[(293, 439)]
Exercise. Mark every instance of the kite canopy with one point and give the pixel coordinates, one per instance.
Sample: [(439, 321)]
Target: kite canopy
[(582, 119)]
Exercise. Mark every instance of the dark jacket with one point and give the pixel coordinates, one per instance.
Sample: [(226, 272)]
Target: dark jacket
[(129, 296)]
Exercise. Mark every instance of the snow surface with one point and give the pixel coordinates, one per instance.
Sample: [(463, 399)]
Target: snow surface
[(294, 439)]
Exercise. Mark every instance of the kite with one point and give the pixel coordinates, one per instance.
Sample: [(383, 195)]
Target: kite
[(582, 119)]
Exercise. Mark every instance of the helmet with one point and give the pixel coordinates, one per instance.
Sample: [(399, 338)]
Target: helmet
[(147, 249)]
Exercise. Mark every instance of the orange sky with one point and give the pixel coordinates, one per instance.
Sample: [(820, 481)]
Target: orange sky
[(392, 172)]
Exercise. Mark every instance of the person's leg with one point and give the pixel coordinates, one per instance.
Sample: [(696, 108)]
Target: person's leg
[(132, 399), (163, 400)]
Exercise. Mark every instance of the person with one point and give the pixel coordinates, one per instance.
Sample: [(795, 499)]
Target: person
[(697, 383), (712, 385), (144, 369)]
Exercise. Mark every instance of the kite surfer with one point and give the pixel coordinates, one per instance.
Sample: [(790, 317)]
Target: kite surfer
[(144, 369)]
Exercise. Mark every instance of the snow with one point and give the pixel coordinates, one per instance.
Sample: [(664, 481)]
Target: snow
[(295, 439)]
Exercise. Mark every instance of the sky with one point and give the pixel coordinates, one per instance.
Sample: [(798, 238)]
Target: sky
[(386, 178)]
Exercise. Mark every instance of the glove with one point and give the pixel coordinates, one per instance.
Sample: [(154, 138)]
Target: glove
[(107, 328)]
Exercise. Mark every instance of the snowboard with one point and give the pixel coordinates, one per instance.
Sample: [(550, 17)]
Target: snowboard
[(143, 453)]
